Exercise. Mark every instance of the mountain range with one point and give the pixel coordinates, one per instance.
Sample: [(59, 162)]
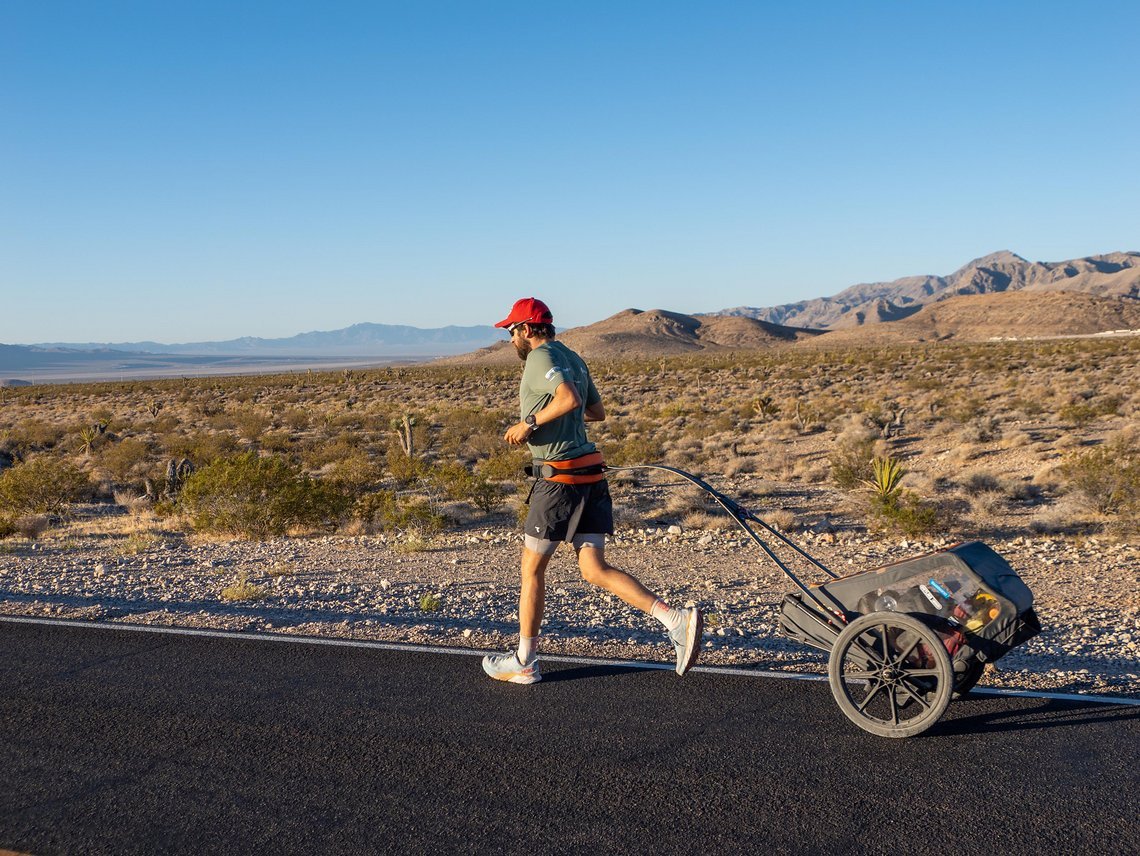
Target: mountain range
[(359, 340), (997, 296), (1112, 275)]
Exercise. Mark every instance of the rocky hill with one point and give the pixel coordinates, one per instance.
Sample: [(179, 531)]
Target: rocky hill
[(1021, 314), (1111, 275), (656, 332)]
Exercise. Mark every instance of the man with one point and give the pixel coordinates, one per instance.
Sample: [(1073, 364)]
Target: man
[(572, 501)]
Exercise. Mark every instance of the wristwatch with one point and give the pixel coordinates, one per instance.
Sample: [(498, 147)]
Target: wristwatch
[(532, 423)]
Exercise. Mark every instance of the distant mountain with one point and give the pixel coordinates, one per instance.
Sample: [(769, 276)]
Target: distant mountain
[(359, 340), (1113, 275), (1021, 314), (657, 332)]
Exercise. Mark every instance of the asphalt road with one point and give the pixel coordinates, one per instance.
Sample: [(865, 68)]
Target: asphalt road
[(114, 741)]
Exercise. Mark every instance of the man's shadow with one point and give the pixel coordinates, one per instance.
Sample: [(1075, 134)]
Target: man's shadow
[(598, 670)]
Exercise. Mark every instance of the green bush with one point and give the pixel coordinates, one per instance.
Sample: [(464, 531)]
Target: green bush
[(1079, 415), (259, 498), (126, 460), (904, 512), (459, 483), (1107, 478), (504, 465), (384, 509), (851, 463), (202, 447), (634, 450), (42, 485)]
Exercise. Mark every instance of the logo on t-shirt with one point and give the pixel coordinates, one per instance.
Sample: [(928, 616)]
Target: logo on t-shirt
[(555, 370)]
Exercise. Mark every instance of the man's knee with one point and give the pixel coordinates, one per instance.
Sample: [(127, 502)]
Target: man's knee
[(592, 563)]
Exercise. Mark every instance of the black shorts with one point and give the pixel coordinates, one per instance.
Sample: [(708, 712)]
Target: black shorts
[(554, 506)]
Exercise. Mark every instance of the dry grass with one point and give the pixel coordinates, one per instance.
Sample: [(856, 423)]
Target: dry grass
[(962, 418)]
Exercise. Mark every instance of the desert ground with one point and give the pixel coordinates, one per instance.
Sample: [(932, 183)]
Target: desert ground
[(382, 504)]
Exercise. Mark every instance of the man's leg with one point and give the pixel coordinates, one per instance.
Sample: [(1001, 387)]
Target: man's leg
[(521, 666), (685, 626), (532, 592), (597, 571)]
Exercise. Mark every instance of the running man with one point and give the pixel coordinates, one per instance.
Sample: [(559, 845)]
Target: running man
[(571, 502)]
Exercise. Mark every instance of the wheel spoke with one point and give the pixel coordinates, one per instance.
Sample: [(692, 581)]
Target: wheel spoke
[(874, 691), (894, 708), (922, 673), (870, 654), (871, 674), (901, 658), (918, 698)]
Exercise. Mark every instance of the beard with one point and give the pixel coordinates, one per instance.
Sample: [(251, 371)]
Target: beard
[(522, 348)]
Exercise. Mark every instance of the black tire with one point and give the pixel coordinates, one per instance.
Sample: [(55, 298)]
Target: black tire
[(965, 681), (890, 674)]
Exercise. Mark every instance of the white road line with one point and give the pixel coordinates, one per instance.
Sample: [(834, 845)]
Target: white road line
[(473, 652)]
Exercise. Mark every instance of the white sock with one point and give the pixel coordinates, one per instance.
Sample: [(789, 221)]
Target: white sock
[(671, 617), (527, 646)]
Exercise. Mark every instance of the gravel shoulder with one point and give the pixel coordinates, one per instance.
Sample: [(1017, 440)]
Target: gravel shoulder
[(374, 587)]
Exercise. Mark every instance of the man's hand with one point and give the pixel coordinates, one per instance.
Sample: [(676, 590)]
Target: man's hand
[(517, 434), (564, 400)]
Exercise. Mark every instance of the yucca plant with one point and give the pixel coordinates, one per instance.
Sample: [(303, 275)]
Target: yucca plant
[(886, 475)]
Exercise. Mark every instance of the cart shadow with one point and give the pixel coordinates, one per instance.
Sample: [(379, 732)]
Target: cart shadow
[(1050, 713)]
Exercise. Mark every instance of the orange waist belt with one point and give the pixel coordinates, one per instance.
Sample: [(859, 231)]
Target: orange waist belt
[(586, 469)]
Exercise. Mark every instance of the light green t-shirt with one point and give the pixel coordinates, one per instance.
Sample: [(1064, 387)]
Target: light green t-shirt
[(547, 367)]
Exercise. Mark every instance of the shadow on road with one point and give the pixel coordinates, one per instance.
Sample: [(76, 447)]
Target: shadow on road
[(1049, 713), (577, 673)]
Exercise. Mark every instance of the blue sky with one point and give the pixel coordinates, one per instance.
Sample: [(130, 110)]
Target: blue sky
[(191, 171)]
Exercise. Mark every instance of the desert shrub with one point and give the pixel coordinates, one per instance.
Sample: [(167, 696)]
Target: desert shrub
[(415, 515), (42, 485), (317, 454), (296, 418), (126, 460), (388, 511), (241, 589), (459, 483), (404, 468), (905, 512), (251, 424), (982, 429), (634, 450), (850, 462), (355, 474), (1079, 414), (504, 465), (1108, 405), (31, 435), (259, 497), (471, 433), (200, 447), (1107, 478), (276, 441)]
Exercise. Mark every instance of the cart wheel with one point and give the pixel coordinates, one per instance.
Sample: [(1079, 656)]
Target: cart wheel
[(966, 681), (890, 674)]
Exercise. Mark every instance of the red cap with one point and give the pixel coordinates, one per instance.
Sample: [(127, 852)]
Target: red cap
[(529, 310)]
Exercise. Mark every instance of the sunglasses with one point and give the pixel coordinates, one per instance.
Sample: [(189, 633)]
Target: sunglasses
[(511, 329)]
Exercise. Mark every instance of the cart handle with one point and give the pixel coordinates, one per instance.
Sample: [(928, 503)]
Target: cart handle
[(742, 515)]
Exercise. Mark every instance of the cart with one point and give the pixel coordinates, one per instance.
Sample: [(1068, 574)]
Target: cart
[(905, 639)]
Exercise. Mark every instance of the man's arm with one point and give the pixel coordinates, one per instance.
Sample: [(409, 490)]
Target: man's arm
[(565, 400), (595, 412)]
